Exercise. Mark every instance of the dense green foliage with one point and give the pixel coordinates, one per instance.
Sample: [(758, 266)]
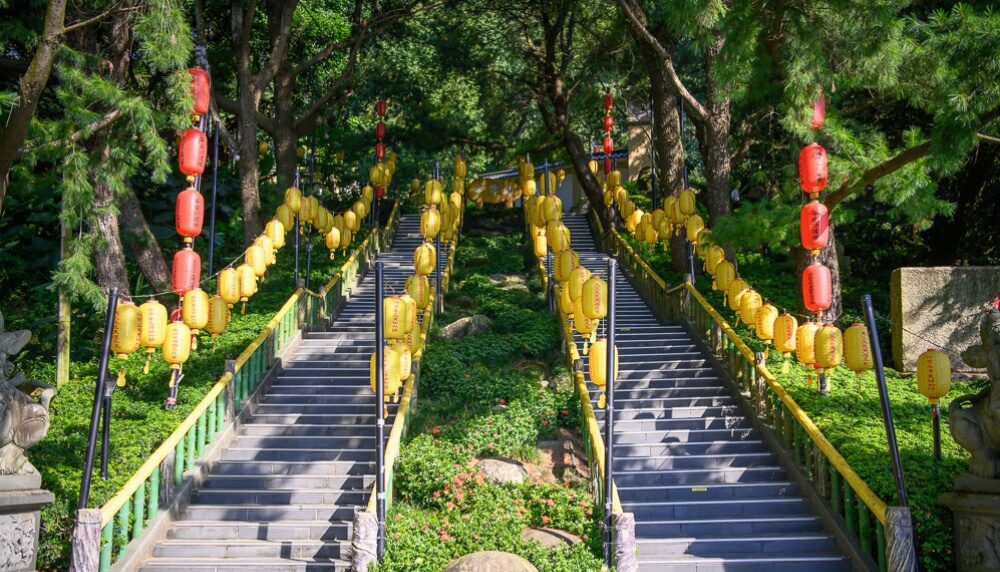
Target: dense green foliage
[(481, 396), (850, 415), (139, 422)]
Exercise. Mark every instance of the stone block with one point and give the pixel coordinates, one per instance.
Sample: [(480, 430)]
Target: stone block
[(20, 517), (976, 530), (942, 304)]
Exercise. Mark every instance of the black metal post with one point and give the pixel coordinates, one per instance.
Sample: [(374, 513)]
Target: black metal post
[(609, 412), (309, 259), (652, 146), (215, 190), (548, 283), (105, 432), (545, 169), (883, 393), (936, 423), (296, 231), (95, 413), (379, 413), (438, 302), (689, 246)]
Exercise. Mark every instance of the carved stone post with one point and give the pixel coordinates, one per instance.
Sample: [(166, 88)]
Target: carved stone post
[(86, 554), (624, 544), (364, 541)]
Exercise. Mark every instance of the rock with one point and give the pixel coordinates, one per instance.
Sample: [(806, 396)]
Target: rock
[(502, 470), (467, 326), (462, 301), (551, 537), (477, 261), (506, 279), (490, 561), (516, 286)]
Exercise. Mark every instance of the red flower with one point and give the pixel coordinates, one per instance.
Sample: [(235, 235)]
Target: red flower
[(550, 502), (565, 412), (545, 519), (502, 402), (490, 446), (451, 505), (436, 431), (545, 423), (437, 494)]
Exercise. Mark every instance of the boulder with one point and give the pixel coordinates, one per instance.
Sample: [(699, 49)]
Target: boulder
[(467, 326), (502, 470), (490, 561), (551, 537)]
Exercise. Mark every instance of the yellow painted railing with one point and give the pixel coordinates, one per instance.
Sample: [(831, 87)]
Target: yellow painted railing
[(863, 511), (125, 515)]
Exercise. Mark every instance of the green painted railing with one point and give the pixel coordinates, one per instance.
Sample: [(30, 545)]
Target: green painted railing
[(848, 495), (124, 517)]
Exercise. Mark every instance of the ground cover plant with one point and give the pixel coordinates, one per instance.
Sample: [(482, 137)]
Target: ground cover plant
[(850, 415), (139, 423), (483, 396)]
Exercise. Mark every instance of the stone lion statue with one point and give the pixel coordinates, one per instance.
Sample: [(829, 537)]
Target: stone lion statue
[(23, 422), (974, 419)]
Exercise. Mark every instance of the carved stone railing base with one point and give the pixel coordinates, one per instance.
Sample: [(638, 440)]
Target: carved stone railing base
[(977, 523), (364, 541), (20, 517), (625, 547)]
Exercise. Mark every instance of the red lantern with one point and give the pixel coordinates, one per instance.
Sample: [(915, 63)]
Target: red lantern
[(609, 146), (380, 107), (817, 290), (201, 89), (189, 213), (186, 271), (819, 113), (609, 123), (609, 102), (192, 151), (814, 226), (379, 150), (812, 168), (607, 165), (380, 131), (177, 315), (380, 193)]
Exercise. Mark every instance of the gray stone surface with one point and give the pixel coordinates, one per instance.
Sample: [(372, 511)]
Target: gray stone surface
[(502, 470), (625, 546), (364, 541), (21, 482), (977, 530), (20, 516), (467, 326), (942, 304), (974, 419), (551, 537), (490, 561)]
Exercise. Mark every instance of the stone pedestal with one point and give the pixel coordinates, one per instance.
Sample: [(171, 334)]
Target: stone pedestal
[(976, 508), (21, 502)]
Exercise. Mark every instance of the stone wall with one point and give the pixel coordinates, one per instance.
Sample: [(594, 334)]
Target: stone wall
[(939, 305)]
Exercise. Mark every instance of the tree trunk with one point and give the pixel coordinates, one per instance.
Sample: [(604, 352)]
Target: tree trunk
[(716, 144), (828, 257), (581, 165), (247, 129), (15, 128), (109, 256), (284, 136), (142, 244)]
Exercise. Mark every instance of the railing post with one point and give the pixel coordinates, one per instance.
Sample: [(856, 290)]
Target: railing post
[(95, 414), (438, 302), (609, 414), (379, 408), (296, 231), (86, 552), (230, 391)]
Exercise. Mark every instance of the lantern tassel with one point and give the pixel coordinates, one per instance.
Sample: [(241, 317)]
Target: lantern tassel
[(145, 368), (243, 310), (121, 377), (194, 342), (601, 401), (785, 366)]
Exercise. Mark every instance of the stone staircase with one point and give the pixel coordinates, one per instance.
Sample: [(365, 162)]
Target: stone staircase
[(707, 492), (283, 494)]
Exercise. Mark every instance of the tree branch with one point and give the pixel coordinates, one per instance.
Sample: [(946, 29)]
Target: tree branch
[(89, 21), (988, 138), (900, 160), (280, 47)]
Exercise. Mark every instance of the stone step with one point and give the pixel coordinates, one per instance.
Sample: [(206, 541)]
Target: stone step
[(268, 513), (244, 564), (741, 508), (283, 482), (256, 549), (707, 491), (280, 497), (764, 544), (189, 530)]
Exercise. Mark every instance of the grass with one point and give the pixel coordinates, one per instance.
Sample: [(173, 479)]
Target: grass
[(139, 423)]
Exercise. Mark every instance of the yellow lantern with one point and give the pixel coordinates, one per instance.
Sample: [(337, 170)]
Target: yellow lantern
[(621, 195), (432, 192), (714, 256), (275, 230), (829, 347), (430, 223), (598, 365), (125, 334), (405, 359), (582, 324), (566, 303), (650, 234), (268, 247), (360, 210), (395, 317), (766, 316), (609, 198), (351, 221), (262, 148), (858, 355), (346, 236), (339, 224), (423, 259), (293, 199), (694, 226), (565, 262), (560, 175), (333, 240), (933, 375), (594, 298), (540, 245), (194, 311), (785, 330), (805, 344), (152, 328), (592, 165), (248, 283), (577, 277), (368, 194), (725, 274), (218, 316), (177, 344), (614, 178), (632, 221), (735, 291), (552, 208), (418, 287), (686, 202), (256, 259), (750, 302), (285, 216), (415, 185), (529, 188), (229, 286), (390, 371)]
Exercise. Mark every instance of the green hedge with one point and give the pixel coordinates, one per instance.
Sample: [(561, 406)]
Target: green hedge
[(482, 396)]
